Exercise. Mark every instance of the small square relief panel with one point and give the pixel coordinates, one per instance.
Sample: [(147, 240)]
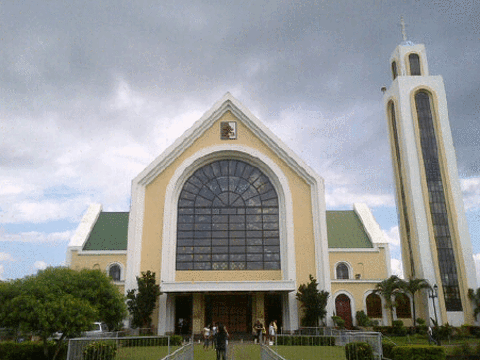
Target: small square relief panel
[(228, 130)]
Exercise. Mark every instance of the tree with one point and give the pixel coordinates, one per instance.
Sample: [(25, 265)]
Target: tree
[(314, 302), (388, 288), (60, 300), (474, 296), (411, 287), (141, 302)]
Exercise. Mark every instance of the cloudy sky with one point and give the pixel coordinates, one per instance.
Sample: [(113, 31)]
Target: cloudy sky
[(93, 91)]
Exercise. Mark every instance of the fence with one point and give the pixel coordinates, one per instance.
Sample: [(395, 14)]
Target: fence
[(268, 353), (123, 348), (184, 353), (335, 342)]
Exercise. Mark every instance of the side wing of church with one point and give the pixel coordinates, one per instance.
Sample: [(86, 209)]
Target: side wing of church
[(233, 222)]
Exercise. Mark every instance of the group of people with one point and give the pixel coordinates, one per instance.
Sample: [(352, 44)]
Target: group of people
[(218, 335), (260, 333)]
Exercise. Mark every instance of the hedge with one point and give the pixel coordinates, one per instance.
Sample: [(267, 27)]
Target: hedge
[(359, 351), (418, 352), (306, 340), (175, 340), (28, 350), (100, 350), (387, 348)]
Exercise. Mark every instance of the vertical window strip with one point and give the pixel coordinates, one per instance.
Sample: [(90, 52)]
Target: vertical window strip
[(414, 61), (438, 208)]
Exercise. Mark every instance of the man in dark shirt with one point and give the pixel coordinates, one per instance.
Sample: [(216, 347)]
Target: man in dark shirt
[(221, 342)]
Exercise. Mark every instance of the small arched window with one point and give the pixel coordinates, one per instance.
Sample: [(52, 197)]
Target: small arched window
[(342, 271), (414, 60), (394, 70), (114, 272), (403, 306), (374, 306)]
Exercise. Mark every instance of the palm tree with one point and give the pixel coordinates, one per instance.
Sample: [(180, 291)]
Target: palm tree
[(411, 287), (387, 288)]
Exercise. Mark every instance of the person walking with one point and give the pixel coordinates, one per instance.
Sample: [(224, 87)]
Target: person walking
[(221, 342)]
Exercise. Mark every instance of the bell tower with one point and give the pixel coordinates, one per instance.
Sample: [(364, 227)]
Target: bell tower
[(434, 233)]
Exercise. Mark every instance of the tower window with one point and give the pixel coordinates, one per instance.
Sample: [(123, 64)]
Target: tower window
[(342, 271), (437, 202), (394, 70), (414, 60), (228, 219), (114, 272)]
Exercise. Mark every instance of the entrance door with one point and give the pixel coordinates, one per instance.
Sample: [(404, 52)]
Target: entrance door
[(344, 310), (231, 310), (183, 314), (273, 309)]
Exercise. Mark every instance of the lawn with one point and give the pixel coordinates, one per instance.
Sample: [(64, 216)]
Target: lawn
[(144, 352), (311, 352), (236, 351)]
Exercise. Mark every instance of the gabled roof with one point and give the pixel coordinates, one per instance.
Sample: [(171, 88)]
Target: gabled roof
[(109, 232), (346, 231)]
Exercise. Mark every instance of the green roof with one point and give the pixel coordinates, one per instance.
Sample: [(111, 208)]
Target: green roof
[(109, 232), (345, 230)]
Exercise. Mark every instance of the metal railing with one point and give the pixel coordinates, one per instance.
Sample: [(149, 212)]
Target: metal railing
[(184, 353), (120, 348), (268, 353)]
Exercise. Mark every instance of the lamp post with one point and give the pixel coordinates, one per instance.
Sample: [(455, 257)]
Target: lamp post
[(433, 295)]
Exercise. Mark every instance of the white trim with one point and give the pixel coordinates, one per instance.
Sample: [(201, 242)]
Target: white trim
[(349, 267), (370, 225), (239, 152), (83, 231), (231, 286), (122, 270), (375, 250), (101, 252), (382, 300), (352, 303), (354, 281)]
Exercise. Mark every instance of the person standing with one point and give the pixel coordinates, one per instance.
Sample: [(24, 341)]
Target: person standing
[(213, 333), (221, 342), (206, 336), (258, 327)]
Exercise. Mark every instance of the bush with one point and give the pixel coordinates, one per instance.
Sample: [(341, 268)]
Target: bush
[(387, 349), (443, 332), (100, 350), (362, 319), (338, 321), (418, 352), (28, 350), (306, 340), (359, 351)]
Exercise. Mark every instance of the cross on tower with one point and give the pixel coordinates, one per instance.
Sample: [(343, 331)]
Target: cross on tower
[(404, 32)]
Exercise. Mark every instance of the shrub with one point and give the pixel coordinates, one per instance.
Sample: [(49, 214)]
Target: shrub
[(443, 332), (387, 349), (100, 350), (359, 351), (306, 340), (28, 350), (362, 319), (418, 352), (338, 321)]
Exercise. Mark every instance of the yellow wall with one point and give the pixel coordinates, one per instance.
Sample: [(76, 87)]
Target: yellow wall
[(100, 262), (154, 210), (369, 264)]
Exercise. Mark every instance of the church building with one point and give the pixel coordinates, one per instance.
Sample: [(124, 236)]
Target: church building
[(232, 222)]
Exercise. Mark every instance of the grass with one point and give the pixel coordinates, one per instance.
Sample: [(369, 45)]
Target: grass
[(235, 351), (311, 352), (144, 353)]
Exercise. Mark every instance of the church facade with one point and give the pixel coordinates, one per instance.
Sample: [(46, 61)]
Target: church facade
[(233, 222)]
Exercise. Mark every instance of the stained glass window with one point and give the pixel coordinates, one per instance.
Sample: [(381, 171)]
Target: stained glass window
[(228, 219)]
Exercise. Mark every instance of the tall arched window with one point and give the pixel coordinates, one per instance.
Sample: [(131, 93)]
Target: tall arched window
[(394, 70), (403, 306), (437, 201), (342, 271), (114, 272), (374, 306), (228, 219), (414, 60)]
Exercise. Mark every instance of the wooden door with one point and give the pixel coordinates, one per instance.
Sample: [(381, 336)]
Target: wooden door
[(344, 309), (230, 310)]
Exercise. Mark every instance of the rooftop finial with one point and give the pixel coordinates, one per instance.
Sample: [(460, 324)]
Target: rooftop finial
[(404, 32)]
